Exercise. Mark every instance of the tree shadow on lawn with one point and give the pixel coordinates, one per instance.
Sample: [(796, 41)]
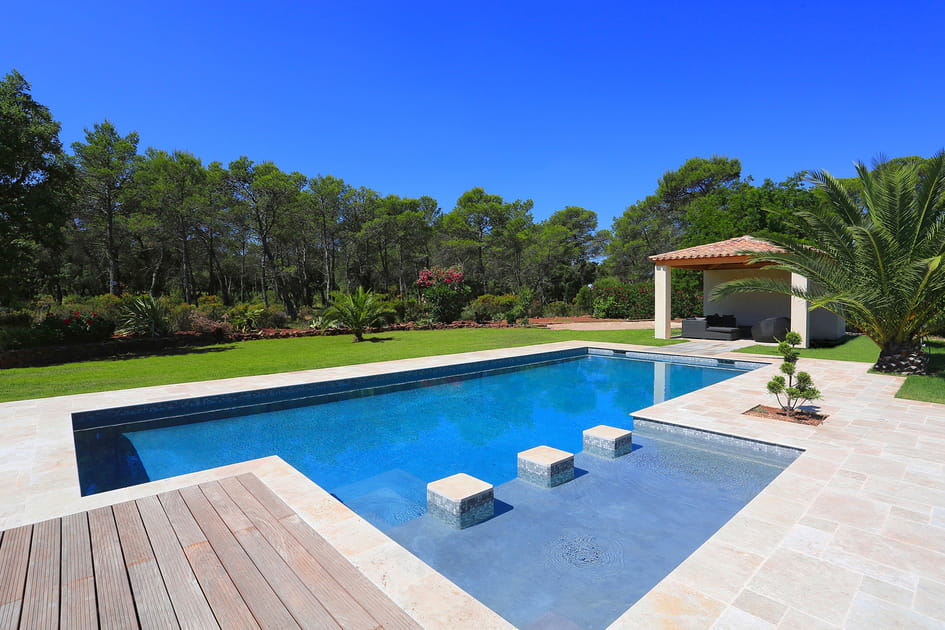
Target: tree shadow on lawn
[(936, 350), (167, 352), (127, 356), (378, 339)]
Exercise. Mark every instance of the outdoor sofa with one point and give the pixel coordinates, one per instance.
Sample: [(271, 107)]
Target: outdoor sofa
[(719, 327)]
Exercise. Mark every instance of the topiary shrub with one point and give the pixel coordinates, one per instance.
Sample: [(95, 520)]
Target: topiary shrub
[(798, 387)]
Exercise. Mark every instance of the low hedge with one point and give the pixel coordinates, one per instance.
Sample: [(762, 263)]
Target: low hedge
[(637, 301)]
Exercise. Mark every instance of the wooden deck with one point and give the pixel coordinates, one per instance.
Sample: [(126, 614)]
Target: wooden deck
[(226, 554)]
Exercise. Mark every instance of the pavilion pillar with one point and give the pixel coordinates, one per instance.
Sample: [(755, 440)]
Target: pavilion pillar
[(800, 310), (661, 315)]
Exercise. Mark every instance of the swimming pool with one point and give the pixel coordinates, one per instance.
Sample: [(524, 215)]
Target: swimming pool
[(375, 443), (400, 430)]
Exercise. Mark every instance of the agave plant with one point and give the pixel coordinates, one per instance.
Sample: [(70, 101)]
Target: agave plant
[(144, 316), (874, 256), (357, 311)]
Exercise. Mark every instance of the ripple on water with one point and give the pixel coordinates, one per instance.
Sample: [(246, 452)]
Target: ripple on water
[(593, 557)]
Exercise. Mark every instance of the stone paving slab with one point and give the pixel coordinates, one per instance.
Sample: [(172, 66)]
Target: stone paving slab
[(864, 505)]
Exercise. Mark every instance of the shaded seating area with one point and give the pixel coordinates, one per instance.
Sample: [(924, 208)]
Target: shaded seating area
[(718, 327), (761, 316), (224, 554), (726, 328)]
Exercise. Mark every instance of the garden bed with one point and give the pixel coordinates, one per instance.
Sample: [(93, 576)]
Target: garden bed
[(801, 416)]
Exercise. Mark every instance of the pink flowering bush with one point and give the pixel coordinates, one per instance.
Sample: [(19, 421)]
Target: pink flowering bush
[(444, 291)]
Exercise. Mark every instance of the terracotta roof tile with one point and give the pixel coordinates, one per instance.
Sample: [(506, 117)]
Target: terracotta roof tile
[(732, 247)]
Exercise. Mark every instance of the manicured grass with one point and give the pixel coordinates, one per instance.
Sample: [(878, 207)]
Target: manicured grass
[(928, 388), (282, 355), (854, 348)]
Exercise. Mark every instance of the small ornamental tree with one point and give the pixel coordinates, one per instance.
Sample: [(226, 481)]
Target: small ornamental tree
[(444, 291), (358, 311), (797, 388)]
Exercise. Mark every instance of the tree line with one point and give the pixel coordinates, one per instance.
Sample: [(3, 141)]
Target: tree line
[(109, 217)]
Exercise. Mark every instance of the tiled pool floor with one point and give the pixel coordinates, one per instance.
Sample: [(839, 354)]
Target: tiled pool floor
[(584, 551), (850, 535)]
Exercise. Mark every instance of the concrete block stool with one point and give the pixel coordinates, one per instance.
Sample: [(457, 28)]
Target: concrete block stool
[(609, 442), (460, 500), (545, 466)]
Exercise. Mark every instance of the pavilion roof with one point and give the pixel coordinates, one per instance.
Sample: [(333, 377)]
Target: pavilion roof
[(733, 251)]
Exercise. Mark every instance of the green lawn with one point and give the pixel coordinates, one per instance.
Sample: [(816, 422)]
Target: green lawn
[(927, 388), (859, 348), (250, 358)]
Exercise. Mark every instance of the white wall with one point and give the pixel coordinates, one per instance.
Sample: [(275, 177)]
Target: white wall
[(750, 308), (826, 325)]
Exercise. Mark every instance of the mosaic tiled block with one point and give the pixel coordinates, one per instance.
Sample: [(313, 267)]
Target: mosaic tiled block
[(460, 500), (545, 466), (606, 441)]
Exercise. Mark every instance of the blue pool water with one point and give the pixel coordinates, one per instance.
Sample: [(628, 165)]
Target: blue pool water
[(573, 556), (395, 440)]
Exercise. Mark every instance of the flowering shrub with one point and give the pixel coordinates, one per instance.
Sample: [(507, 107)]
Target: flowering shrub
[(75, 328), (444, 292)]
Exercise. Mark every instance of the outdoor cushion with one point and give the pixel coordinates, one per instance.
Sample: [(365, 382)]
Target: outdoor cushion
[(711, 327)]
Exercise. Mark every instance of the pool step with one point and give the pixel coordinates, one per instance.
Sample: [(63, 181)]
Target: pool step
[(608, 442), (546, 466), (460, 500)]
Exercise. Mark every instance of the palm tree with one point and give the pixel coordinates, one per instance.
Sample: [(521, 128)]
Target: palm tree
[(357, 311), (876, 257)]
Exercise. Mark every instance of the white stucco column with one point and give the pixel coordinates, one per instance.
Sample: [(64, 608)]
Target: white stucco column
[(663, 283), (800, 310)]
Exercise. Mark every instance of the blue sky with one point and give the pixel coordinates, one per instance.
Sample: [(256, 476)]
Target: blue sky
[(565, 103)]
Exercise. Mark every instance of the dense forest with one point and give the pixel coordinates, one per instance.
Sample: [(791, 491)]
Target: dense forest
[(106, 216)]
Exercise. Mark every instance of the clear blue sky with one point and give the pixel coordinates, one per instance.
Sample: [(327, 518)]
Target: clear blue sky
[(584, 103)]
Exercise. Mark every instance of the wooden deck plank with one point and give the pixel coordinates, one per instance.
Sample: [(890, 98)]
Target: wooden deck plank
[(221, 593), (147, 585), (305, 607), (371, 597), (267, 608), (41, 597), (226, 554), (116, 606), (14, 560), (189, 603), (330, 593), (77, 608)]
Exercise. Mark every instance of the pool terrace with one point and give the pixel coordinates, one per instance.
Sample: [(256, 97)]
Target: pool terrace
[(849, 535)]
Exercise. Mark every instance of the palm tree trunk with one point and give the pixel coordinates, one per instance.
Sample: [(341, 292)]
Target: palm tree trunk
[(906, 357)]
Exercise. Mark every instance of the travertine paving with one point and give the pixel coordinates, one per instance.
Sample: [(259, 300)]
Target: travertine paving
[(852, 534)]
